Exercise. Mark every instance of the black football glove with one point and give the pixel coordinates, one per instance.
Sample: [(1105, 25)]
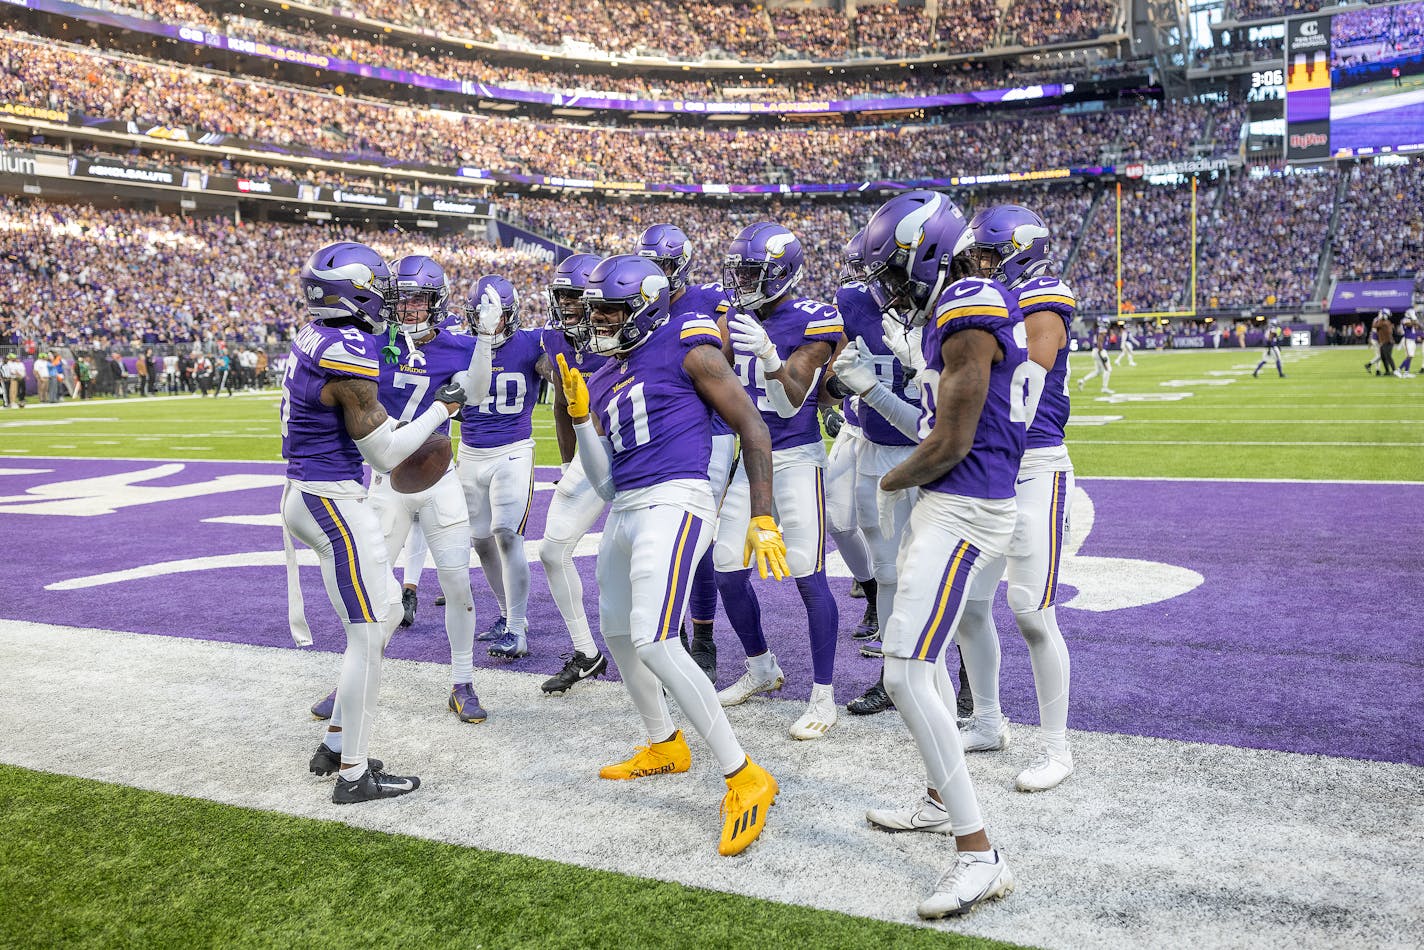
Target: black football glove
[(838, 389), (832, 420), (451, 392)]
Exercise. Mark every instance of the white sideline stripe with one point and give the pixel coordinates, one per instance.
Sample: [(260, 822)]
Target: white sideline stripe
[(1358, 445), (1212, 845)]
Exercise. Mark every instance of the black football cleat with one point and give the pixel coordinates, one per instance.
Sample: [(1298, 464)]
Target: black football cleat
[(869, 626), (440, 601), (577, 668), (857, 591), (872, 701), (325, 762), (372, 784), (408, 604)]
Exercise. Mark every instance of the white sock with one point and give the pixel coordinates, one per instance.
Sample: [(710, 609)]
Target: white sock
[(582, 637), (459, 621), (643, 686), (763, 666), (1048, 654), (332, 740), (823, 691), (988, 857), (355, 772), (360, 684), (696, 697), (979, 644), (566, 587)]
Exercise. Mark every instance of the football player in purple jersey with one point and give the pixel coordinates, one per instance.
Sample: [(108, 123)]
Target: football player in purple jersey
[(668, 247), (841, 520), (576, 506), (780, 346), (496, 466), (919, 258), (644, 431), (332, 419), (1011, 244), (424, 353), (878, 366)]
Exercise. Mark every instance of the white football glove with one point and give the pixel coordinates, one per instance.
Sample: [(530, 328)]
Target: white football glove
[(855, 369), (904, 344), (885, 504), (488, 313), (749, 336)]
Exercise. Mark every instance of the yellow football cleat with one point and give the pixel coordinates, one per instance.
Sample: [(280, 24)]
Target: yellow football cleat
[(750, 795), (660, 758)]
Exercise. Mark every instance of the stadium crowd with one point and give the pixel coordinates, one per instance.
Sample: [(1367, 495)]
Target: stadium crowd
[(975, 25), (1155, 251), (102, 277), (728, 29), (67, 78), (1379, 232)]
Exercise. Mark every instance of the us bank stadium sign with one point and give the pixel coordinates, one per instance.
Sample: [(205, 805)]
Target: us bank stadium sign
[(17, 163), (1193, 167)]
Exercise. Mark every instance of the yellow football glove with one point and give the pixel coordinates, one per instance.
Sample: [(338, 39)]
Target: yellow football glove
[(764, 540), (575, 389)]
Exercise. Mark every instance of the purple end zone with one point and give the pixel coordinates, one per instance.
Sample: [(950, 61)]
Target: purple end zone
[(1301, 636)]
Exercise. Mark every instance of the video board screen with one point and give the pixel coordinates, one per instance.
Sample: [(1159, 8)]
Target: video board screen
[(1355, 82)]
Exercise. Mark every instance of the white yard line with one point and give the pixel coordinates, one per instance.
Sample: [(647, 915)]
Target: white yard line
[(1151, 841)]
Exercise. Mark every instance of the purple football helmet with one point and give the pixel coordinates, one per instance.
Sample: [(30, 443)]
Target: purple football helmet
[(508, 302), (762, 263), (627, 298), (666, 245), (347, 282), (913, 248), (420, 292), (567, 313), (1017, 237), (853, 259)]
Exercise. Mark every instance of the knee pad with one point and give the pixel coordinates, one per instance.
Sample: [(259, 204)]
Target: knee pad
[(1023, 599), (507, 539), (554, 554), (455, 585), (802, 563), (897, 678), (1033, 625), (726, 555)]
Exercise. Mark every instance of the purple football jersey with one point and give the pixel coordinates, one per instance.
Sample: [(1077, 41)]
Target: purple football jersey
[(554, 343), (649, 408), (505, 415), (314, 439), (409, 385), (709, 300), (863, 323), (794, 323), (991, 466), (1050, 293)]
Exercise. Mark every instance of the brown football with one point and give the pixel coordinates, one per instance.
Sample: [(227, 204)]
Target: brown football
[(424, 467)]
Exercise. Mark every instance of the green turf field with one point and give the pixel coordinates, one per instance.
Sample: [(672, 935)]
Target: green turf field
[(100, 865), (1327, 419)]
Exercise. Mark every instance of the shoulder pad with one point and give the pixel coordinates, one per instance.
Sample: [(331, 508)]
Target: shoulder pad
[(970, 297), (698, 329)]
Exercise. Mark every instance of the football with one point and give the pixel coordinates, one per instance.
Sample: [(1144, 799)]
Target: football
[(424, 467)]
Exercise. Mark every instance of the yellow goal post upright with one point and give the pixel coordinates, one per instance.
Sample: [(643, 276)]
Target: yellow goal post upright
[(1192, 262)]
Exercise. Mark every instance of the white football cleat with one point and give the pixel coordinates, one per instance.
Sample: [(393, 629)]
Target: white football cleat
[(926, 815), (968, 883), (1048, 772), (979, 735), (820, 714), (750, 684)]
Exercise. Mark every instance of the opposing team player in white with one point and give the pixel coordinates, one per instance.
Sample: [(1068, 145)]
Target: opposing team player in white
[(496, 465), (1012, 248), (919, 255), (1125, 345), (644, 430), (331, 420), (1102, 363)]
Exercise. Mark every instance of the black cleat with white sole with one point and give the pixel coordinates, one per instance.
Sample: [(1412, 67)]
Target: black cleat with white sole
[(409, 603), (372, 784), (325, 762), (577, 668)]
